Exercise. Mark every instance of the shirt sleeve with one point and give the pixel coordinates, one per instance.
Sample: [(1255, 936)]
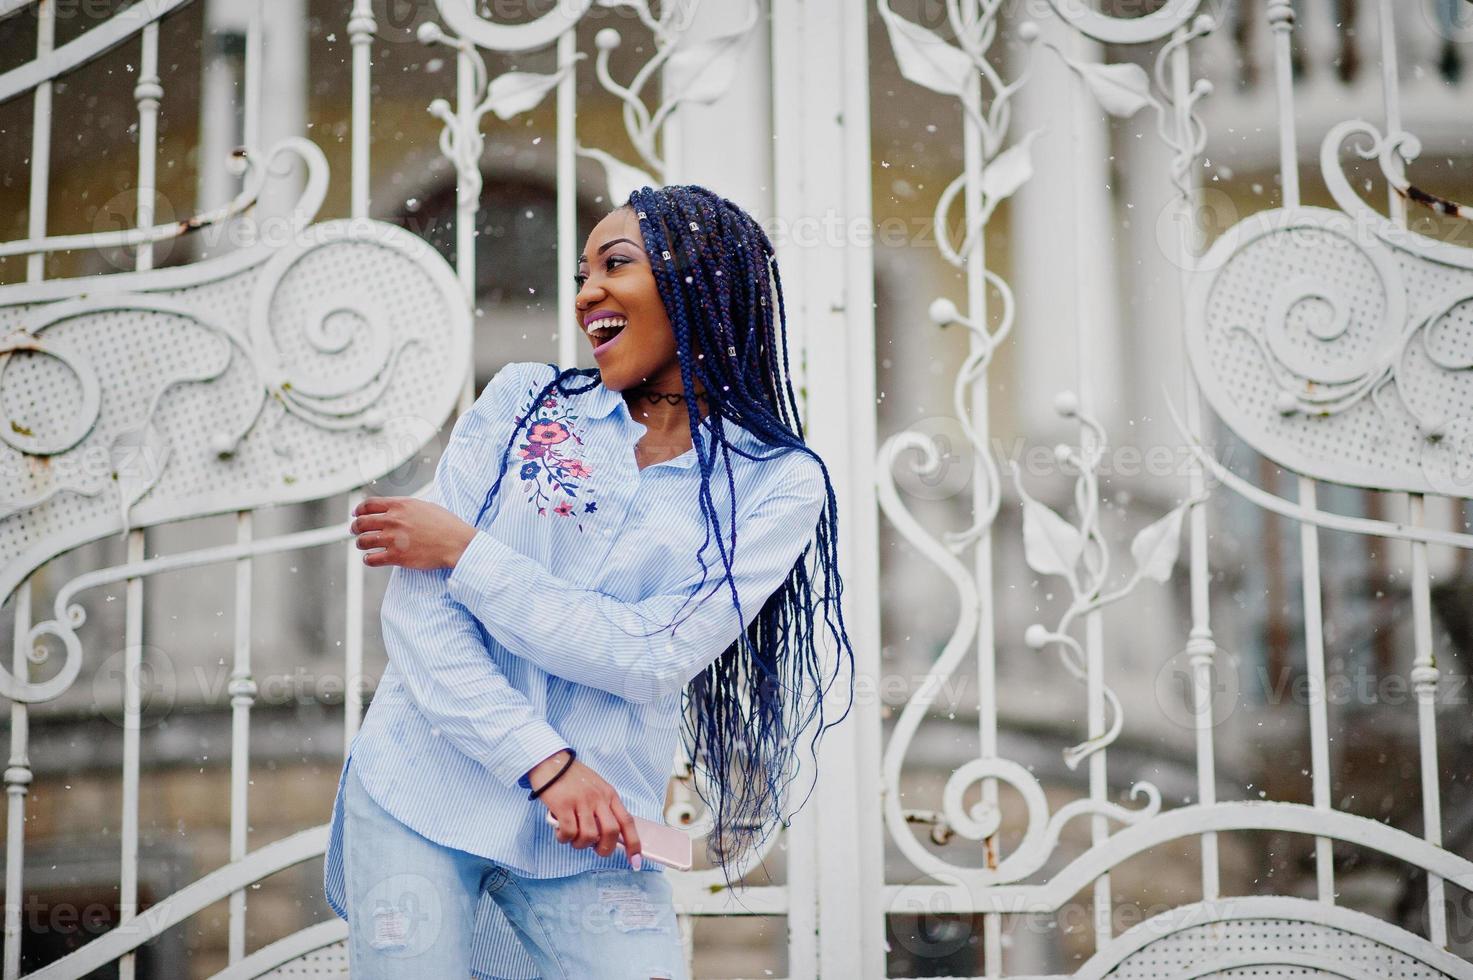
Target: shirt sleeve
[(438, 648), (644, 650)]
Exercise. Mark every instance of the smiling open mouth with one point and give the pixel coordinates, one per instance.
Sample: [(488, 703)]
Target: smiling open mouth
[(607, 331)]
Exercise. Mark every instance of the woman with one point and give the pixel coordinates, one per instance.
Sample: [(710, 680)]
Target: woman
[(648, 541)]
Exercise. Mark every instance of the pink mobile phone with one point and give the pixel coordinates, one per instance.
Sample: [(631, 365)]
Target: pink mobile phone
[(661, 842)]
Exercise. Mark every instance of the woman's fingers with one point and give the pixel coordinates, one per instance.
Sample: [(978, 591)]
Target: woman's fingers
[(587, 827), (627, 829), (373, 505), (595, 817), (370, 533), (373, 522), (567, 826), (608, 827)]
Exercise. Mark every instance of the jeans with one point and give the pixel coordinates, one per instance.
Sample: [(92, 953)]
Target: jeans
[(412, 902)]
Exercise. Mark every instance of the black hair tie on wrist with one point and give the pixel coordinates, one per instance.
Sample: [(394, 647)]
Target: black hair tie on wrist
[(572, 754)]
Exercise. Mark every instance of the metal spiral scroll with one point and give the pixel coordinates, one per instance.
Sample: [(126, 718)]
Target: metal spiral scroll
[(1337, 343), (982, 820)]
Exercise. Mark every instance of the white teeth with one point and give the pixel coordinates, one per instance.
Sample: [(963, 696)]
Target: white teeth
[(607, 327)]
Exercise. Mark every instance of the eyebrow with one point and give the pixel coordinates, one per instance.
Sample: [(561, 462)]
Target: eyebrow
[(604, 247)]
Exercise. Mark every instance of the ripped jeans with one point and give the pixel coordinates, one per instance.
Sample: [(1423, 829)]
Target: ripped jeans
[(412, 902)]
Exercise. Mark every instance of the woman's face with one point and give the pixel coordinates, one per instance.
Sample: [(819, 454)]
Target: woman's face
[(616, 278)]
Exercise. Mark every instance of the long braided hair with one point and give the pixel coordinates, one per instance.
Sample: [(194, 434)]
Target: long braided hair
[(743, 713)]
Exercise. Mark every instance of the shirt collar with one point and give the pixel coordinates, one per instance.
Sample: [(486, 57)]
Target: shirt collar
[(605, 400)]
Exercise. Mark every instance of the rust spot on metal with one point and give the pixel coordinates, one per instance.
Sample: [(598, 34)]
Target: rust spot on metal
[(1436, 203)]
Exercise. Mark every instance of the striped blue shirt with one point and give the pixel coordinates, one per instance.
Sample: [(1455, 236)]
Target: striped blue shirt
[(555, 627)]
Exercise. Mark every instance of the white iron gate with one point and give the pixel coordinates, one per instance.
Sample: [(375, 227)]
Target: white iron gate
[(1006, 660)]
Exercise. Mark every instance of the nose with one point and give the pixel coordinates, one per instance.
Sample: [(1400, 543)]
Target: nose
[(585, 300)]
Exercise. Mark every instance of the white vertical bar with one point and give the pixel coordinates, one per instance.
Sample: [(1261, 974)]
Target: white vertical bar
[(1090, 298), (1201, 647), (805, 849), (242, 687), (353, 633), (859, 533), (1281, 21), (1314, 656), (466, 204), (788, 132), (568, 245), (1424, 673), (1281, 25), (17, 782), (132, 664), (361, 26), (802, 840), (974, 160), (1202, 651), (1099, 787), (41, 140), (821, 116), (148, 93), (1424, 677), (242, 695)]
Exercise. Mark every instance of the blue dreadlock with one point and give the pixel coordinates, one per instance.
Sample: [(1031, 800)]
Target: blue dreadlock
[(711, 264)]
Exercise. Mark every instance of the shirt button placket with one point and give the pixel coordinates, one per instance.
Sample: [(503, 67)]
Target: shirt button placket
[(611, 513)]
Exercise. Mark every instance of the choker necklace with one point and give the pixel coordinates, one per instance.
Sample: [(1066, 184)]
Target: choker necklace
[(673, 397)]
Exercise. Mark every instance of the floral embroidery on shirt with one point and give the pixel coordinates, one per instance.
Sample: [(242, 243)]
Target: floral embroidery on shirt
[(553, 476)]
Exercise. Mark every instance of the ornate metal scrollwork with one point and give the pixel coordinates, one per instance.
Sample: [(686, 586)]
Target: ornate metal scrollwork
[(1337, 343), (268, 375)]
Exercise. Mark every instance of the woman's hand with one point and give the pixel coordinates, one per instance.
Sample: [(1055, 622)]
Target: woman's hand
[(588, 810), (412, 532)]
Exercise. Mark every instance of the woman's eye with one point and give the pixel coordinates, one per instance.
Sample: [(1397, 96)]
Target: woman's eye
[(581, 277)]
